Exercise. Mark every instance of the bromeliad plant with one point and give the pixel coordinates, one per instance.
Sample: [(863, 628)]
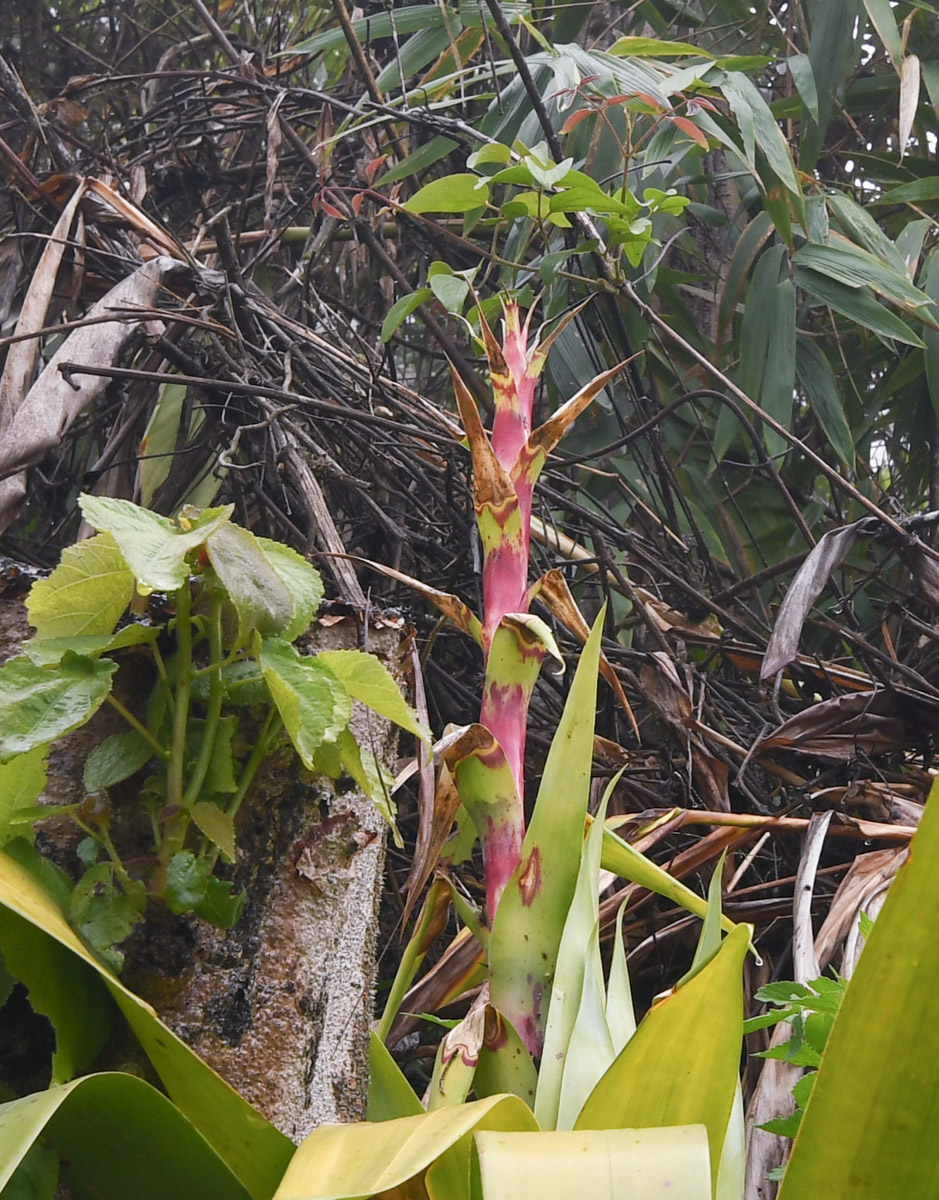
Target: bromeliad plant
[(548, 1045), (229, 689)]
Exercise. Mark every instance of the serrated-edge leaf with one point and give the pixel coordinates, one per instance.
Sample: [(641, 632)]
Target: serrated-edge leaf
[(39, 704), (154, 548), (314, 706), (86, 594), (369, 681), (22, 780), (302, 581), (116, 759)]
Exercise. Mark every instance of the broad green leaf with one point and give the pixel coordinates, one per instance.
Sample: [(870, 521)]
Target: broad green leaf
[(884, 21), (122, 1140), (62, 988), (48, 652), (186, 882), (104, 913), (857, 268), (855, 303), (39, 704), (154, 548), (817, 380), (919, 191), (876, 1083), (217, 826), (303, 582), (261, 599), (646, 47), (389, 1093), (85, 595), (116, 759), (530, 919), (401, 310), (800, 67), (451, 291), (312, 703), (681, 1066), (255, 1151), (340, 1162), (578, 1047), (451, 194), (159, 441), (419, 160), (616, 1164), (21, 782), (221, 905), (370, 682)]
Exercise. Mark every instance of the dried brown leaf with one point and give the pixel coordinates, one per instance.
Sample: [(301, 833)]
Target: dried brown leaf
[(53, 403), (803, 592)]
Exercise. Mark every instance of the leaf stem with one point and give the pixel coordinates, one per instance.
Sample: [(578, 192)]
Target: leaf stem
[(176, 826), (214, 708), (138, 726)]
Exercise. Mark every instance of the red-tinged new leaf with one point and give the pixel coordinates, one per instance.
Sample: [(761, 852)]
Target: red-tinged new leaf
[(692, 130)]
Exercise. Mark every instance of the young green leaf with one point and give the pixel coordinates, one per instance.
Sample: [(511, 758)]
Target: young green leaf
[(302, 581), (452, 194), (104, 913), (153, 547), (261, 598), (369, 681), (21, 782), (38, 705), (116, 759), (217, 826), (86, 593), (186, 882), (312, 702), (48, 652)]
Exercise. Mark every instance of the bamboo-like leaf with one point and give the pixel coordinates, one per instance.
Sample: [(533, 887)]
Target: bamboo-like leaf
[(528, 924), (885, 1036), (122, 1139), (885, 23), (857, 268), (855, 303), (254, 1150), (342, 1162), (817, 380), (800, 67), (909, 99), (618, 1164), (672, 1072)]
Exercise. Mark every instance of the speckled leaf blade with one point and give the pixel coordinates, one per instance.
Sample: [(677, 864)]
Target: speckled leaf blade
[(85, 594), (528, 924), (123, 1140), (256, 1152), (39, 705)]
